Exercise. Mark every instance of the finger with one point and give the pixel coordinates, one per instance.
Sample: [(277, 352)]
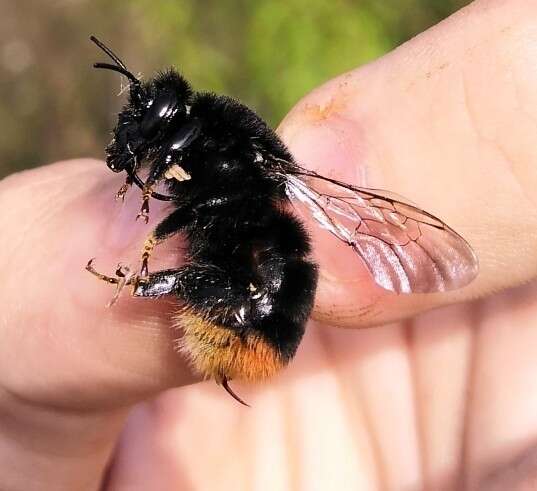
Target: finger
[(55, 322), (447, 121)]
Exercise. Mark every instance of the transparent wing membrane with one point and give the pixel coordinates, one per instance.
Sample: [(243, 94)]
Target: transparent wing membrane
[(407, 250)]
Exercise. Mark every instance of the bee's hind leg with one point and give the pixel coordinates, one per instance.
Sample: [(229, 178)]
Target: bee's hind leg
[(109, 279), (157, 284), (123, 277)]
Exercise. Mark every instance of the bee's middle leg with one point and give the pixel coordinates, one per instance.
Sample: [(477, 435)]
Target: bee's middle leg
[(168, 227)]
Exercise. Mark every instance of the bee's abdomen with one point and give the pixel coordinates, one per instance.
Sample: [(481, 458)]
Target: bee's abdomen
[(246, 315), (215, 350)]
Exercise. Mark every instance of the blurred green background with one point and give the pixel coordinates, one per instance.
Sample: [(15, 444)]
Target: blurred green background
[(268, 53)]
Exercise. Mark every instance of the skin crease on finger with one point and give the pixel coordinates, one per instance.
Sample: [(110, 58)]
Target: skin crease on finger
[(423, 123)]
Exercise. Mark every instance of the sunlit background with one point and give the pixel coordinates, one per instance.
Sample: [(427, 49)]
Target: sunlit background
[(268, 53)]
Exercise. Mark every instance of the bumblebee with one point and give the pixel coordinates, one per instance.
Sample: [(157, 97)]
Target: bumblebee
[(248, 285)]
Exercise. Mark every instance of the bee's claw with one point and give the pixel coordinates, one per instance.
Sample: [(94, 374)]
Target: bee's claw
[(91, 269), (122, 279), (122, 271), (143, 215), (144, 271), (120, 195), (122, 191), (144, 212)]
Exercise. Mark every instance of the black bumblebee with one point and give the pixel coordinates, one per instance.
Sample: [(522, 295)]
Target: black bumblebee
[(249, 283)]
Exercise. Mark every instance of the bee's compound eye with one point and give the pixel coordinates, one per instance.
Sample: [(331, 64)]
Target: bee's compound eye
[(183, 137), (163, 108)]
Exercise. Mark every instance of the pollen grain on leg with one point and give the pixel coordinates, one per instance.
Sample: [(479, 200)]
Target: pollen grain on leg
[(178, 173)]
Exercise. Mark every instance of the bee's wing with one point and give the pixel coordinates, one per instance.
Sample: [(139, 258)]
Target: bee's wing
[(407, 250)]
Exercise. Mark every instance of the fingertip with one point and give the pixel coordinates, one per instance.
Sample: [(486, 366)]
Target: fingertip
[(58, 218), (324, 135)]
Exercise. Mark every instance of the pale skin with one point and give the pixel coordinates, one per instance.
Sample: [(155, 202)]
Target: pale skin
[(441, 399)]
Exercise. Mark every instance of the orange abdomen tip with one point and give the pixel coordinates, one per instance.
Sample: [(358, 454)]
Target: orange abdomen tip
[(216, 351)]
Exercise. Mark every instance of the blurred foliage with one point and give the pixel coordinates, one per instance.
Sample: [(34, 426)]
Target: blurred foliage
[(268, 53)]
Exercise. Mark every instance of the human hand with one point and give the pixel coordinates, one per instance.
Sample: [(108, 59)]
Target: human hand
[(440, 401)]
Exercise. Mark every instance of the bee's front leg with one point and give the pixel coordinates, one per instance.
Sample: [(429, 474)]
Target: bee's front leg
[(122, 191)]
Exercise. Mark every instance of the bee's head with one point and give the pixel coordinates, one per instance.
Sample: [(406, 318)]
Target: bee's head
[(145, 119)]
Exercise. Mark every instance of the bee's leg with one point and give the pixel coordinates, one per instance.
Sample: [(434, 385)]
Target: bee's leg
[(155, 175), (122, 191), (144, 210), (169, 166), (157, 284), (122, 278), (149, 244), (103, 277), (168, 227)]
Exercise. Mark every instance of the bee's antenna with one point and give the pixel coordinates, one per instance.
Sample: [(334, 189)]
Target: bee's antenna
[(118, 69), (119, 65), (109, 52), (230, 391)]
